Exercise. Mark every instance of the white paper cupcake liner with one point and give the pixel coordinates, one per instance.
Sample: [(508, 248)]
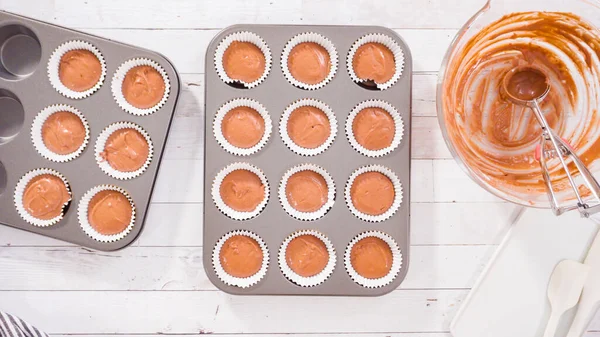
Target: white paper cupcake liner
[(312, 280), (242, 282), (82, 213), (101, 143), (398, 123), (307, 216), (54, 64), (386, 41), (119, 77), (382, 281), (223, 207), (236, 103), (315, 38), (397, 193), (297, 148), (38, 141), (20, 190), (242, 37)]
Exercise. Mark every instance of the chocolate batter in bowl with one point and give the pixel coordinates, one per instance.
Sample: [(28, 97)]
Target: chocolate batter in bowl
[(494, 139)]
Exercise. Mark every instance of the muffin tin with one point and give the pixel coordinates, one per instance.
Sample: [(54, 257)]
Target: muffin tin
[(273, 224), (26, 46)]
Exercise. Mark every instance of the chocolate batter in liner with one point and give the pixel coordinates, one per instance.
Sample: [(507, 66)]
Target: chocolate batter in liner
[(394, 140), (84, 207), (327, 198), (394, 204), (144, 83), (53, 198), (374, 258), (226, 209), (100, 149), (221, 115), (310, 129), (83, 64), (308, 254), (39, 142), (392, 46), (312, 40), (237, 255), (244, 37)]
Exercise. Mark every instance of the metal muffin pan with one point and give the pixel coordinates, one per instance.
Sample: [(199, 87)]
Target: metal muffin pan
[(273, 225), (25, 48)]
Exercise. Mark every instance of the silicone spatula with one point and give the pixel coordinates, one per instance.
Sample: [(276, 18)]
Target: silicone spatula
[(564, 289)]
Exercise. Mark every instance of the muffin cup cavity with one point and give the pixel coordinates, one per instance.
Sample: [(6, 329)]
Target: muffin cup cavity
[(22, 186), (243, 36), (226, 209), (307, 216), (314, 38), (236, 103), (378, 282), (310, 281), (397, 193), (54, 65), (398, 126), (241, 282), (283, 127), (119, 77), (101, 144), (82, 213), (38, 140), (385, 40)]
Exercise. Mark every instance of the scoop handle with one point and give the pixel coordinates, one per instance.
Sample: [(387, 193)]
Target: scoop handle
[(585, 311), (552, 324)]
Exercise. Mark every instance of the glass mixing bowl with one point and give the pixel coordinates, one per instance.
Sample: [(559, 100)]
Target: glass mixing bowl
[(572, 105)]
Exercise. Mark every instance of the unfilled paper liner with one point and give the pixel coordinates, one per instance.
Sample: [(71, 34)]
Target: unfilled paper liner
[(310, 281), (307, 216), (397, 193), (101, 144), (242, 37), (386, 41), (378, 282), (54, 65), (242, 282), (398, 126), (236, 103), (20, 190), (224, 208), (315, 38), (119, 77), (82, 213), (297, 148), (38, 140)]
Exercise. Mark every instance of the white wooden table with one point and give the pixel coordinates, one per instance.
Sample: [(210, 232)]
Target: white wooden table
[(158, 286)]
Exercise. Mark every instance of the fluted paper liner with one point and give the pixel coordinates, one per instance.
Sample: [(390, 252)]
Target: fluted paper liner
[(283, 130), (398, 126), (310, 281), (378, 282), (307, 216), (101, 144), (236, 103), (397, 193), (223, 207), (119, 77), (54, 64), (82, 213), (386, 41), (38, 140), (242, 282), (242, 37), (315, 38), (20, 190)]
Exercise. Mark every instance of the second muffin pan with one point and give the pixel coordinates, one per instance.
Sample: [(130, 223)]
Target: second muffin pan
[(295, 204)]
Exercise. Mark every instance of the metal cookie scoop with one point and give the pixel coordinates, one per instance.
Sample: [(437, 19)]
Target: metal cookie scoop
[(528, 87)]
